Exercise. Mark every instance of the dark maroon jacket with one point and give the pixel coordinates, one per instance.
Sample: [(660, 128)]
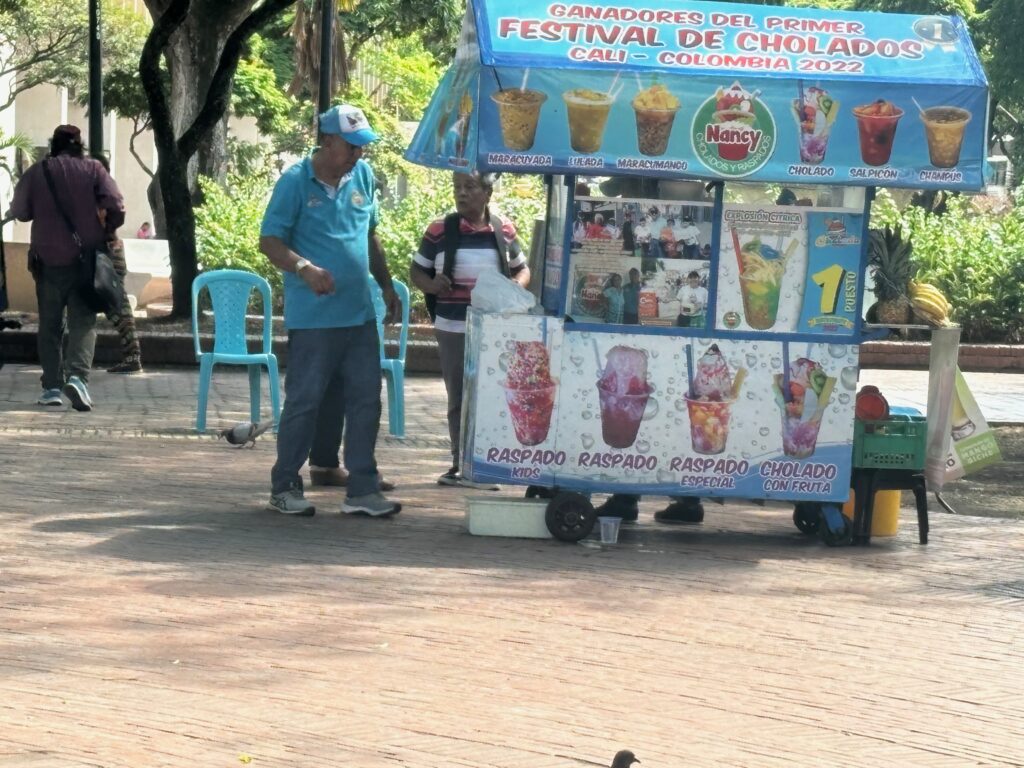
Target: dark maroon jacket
[(83, 187)]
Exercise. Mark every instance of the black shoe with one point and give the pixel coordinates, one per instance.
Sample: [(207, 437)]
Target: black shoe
[(616, 507), (683, 511), (451, 477), (128, 365)]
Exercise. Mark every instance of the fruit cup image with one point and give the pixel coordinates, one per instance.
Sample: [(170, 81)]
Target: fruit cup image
[(624, 392), (802, 406), (530, 391), (708, 404), (588, 113), (734, 115), (876, 125), (761, 270), (655, 111), (518, 112), (961, 425), (815, 113), (944, 127)]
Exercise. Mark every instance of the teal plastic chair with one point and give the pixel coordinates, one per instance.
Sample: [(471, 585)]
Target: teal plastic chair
[(393, 368), (230, 290)]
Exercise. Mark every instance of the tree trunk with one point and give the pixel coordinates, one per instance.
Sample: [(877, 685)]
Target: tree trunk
[(202, 41)]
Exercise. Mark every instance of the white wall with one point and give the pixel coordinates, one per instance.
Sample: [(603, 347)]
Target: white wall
[(38, 111)]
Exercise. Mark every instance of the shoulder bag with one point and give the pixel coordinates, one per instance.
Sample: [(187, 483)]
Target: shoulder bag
[(98, 283)]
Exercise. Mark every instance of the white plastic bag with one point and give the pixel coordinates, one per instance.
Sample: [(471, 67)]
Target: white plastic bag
[(494, 292)]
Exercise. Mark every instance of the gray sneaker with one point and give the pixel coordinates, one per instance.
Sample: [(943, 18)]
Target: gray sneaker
[(76, 391), (291, 502), (50, 397), (372, 504)]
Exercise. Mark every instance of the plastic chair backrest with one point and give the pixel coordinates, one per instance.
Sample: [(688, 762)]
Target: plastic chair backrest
[(229, 291), (380, 310)]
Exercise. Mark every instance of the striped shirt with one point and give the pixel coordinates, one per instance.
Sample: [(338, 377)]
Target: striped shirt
[(477, 252)]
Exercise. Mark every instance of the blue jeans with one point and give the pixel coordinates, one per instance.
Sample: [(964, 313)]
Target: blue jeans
[(341, 365)]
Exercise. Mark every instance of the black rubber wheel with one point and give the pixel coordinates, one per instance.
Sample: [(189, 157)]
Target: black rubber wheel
[(539, 492), (570, 516), (807, 518), (836, 530)]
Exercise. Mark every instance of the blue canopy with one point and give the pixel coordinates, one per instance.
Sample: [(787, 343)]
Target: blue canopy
[(711, 90)]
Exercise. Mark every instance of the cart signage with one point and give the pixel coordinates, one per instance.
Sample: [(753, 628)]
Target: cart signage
[(765, 41), (657, 414), (830, 301), (742, 92)]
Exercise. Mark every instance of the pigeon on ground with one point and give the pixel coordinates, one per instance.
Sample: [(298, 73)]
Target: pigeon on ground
[(623, 759), (245, 432)]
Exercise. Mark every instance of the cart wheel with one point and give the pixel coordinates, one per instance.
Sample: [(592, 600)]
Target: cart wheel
[(570, 516), (807, 518), (539, 492), (835, 530)]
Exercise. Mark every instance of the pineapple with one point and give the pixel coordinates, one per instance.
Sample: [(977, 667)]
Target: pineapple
[(892, 259)]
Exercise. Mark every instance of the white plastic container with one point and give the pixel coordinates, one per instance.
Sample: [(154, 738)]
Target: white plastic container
[(507, 516)]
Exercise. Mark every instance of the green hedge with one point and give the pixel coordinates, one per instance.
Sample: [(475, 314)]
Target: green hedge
[(974, 252)]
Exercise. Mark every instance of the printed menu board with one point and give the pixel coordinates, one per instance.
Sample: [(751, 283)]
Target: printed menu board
[(640, 262), (787, 269), (657, 414)]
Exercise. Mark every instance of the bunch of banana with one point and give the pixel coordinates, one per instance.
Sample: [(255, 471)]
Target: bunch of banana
[(930, 304)]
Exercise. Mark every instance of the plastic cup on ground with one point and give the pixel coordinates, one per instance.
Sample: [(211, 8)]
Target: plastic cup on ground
[(609, 529)]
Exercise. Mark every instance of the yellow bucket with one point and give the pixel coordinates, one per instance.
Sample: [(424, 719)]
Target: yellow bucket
[(885, 515)]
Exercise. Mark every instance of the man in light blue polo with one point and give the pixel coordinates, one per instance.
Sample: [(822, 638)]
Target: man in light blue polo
[(319, 229)]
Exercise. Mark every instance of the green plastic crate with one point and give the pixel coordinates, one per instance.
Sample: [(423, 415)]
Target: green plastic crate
[(899, 442)]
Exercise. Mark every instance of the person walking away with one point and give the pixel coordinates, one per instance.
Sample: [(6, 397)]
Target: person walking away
[(320, 230), (631, 299), (122, 317), (82, 186), (614, 301), (475, 251)]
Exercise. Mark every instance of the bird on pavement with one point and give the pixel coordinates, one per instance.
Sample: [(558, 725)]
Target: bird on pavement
[(245, 432), (623, 759)]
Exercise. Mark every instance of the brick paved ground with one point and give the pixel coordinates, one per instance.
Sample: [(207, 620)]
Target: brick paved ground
[(152, 614)]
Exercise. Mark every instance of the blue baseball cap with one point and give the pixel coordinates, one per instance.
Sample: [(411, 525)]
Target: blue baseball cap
[(348, 122)]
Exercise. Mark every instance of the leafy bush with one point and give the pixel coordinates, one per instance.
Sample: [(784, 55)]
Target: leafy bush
[(228, 227), (975, 256)]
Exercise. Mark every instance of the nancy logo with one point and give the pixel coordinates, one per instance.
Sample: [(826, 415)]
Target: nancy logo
[(733, 132)]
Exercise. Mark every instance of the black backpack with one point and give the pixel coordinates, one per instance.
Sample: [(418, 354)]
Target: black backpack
[(451, 245)]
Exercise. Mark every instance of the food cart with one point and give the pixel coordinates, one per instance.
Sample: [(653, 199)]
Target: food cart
[(702, 312)]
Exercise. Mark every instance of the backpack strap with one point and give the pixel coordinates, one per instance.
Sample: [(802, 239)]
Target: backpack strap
[(499, 240), (451, 243)]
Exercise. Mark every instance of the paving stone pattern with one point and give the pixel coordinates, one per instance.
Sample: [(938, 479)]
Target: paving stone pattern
[(153, 614)]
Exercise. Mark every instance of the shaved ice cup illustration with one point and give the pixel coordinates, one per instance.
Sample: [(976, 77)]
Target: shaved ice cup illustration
[(624, 392), (530, 410), (530, 391), (802, 410), (709, 401)]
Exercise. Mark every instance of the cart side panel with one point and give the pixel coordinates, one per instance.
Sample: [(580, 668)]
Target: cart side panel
[(596, 434)]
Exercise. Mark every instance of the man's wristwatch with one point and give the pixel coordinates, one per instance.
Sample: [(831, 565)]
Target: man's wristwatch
[(301, 264)]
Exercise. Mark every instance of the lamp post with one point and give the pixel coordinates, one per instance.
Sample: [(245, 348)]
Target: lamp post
[(327, 10), (95, 81)]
